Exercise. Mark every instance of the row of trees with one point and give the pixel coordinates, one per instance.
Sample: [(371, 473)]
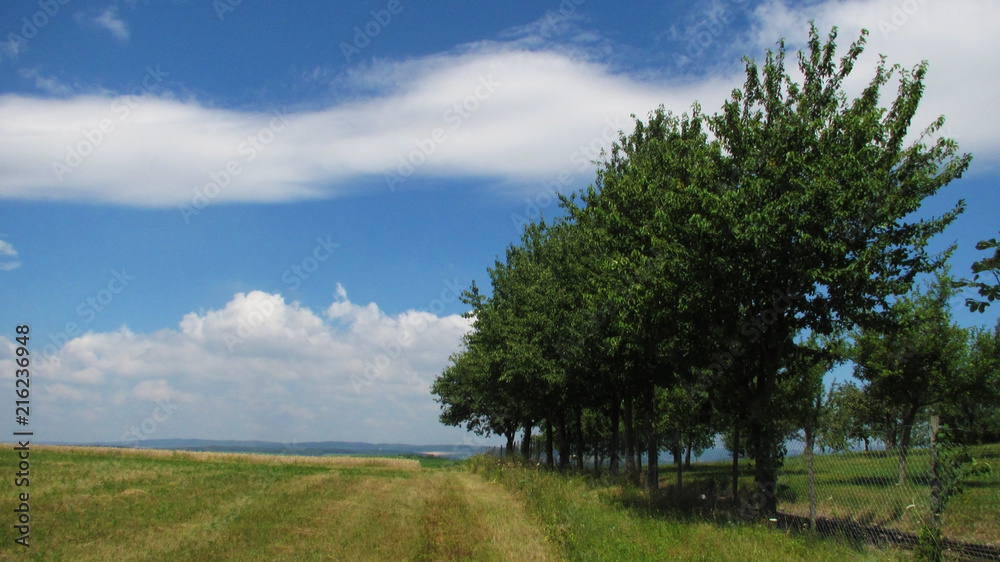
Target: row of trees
[(702, 284)]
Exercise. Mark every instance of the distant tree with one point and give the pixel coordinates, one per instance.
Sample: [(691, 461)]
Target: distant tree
[(808, 411), (972, 415), (917, 362), (851, 417), (686, 424)]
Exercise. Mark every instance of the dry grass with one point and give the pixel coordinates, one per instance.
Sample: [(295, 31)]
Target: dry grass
[(120, 504), (333, 462)]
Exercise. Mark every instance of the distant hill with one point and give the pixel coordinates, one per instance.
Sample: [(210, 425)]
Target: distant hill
[(316, 448)]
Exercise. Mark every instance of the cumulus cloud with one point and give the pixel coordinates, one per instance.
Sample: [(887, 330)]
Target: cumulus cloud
[(109, 20), (257, 368), (8, 257)]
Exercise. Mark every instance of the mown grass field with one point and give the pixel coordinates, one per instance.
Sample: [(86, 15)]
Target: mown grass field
[(112, 504), (106, 504)]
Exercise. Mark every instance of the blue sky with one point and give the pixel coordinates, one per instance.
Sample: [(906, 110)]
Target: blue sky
[(249, 220)]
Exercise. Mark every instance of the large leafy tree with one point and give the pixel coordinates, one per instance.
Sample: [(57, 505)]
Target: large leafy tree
[(471, 395), (656, 272), (820, 189)]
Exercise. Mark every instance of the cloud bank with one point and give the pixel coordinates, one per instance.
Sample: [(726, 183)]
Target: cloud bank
[(257, 368)]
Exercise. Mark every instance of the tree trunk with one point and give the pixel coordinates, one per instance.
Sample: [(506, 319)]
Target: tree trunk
[(904, 444), (935, 475), (563, 441), (630, 469), (762, 446), (765, 472), (892, 437), (652, 443), (526, 442), (549, 444), (812, 475), (615, 446), (736, 464), (510, 442), (687, 456), (766, 477), (579, 438), (678, 454)]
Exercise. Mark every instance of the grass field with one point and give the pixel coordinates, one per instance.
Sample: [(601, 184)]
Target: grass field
[(101, 504), (591, 521), (111, 504), (863, 488)]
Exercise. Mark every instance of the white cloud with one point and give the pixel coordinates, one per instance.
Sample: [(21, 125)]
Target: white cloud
[(8, 257), (258, 368), (547, 114), (109, 20), (48, 84), (957, 38)]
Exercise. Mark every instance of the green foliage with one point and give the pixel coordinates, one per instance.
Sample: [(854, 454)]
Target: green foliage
[(956, 466), (708, 249), (917, 360), (851, 417), (989, 291), (929, 548), (976, 408)]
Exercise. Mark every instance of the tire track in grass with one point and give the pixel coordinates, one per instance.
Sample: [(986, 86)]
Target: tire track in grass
[(469, 519), (504, 522)]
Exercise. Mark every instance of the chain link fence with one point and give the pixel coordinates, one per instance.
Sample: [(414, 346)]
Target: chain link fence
[(928, 492)]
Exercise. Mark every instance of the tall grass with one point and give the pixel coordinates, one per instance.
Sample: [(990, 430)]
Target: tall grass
[(589, 520), (329, 461)]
